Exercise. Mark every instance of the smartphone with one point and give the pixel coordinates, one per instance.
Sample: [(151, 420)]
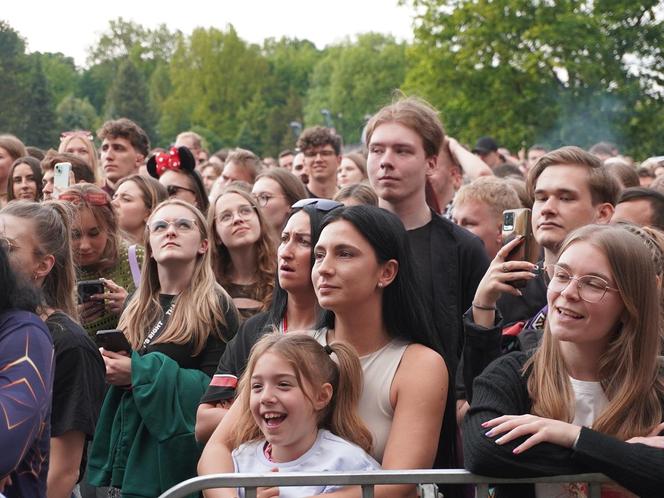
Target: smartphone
[(61, 178), (517, 222), (88, 288), (113, 340)]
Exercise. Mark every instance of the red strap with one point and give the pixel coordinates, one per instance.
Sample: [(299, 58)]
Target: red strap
[(224, 380), (514, 329)]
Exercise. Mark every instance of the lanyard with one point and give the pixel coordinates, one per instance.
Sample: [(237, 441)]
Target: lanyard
[(160, 325)]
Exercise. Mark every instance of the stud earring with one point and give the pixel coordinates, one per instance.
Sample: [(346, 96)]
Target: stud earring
[(380, 285)]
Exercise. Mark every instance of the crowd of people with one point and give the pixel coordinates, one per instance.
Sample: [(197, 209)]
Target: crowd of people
[(167, 313)]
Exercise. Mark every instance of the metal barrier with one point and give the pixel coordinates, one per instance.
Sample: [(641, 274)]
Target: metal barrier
[(368, 480)]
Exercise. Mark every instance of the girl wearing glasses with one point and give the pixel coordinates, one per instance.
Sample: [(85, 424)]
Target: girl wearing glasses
[(176, 170), (590, 398), (100, 253), (177, 324), (243, 257), (276, 190)]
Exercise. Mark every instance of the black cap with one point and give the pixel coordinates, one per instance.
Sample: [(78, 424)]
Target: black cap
[(484, 145)]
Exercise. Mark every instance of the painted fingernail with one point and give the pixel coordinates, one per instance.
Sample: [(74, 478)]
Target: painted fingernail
[(489, 433), (485, 424), (516, 451)]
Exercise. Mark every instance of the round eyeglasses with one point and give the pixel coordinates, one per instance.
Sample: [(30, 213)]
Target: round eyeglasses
[(591, 288)]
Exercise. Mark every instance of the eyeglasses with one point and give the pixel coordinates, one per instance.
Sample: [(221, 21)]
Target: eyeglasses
[(323, 153), (263, 199), (7, 245), (174, 189), (591, 288), (324, 205), (182, 225), (243, 212)]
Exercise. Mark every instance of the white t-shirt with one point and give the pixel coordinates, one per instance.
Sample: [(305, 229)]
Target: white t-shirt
[(329, 453), (589, 403)]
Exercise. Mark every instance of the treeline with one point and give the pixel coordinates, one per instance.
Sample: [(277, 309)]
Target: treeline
[(522, 71)]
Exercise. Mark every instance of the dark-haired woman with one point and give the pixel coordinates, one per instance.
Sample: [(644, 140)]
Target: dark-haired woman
[(362, 275), (25, 180), (176, 170), (26, 363)]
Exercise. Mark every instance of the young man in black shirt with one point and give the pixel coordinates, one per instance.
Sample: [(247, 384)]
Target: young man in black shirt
[(404, 139)]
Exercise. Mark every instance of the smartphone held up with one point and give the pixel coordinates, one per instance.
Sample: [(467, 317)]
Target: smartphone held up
[(518, 223)]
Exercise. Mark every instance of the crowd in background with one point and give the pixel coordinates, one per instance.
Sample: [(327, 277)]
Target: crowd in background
[(328, 309)]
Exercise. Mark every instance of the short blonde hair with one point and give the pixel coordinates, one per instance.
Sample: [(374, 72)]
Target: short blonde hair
[(494, 192)]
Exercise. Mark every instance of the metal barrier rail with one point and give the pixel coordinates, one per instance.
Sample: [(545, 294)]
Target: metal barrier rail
[(370, 479)]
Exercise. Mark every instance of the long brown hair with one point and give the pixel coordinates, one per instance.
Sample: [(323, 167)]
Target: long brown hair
[(266, 257), (198, 311), (629, 369), (313, 365), (89, 196), (52, 221)]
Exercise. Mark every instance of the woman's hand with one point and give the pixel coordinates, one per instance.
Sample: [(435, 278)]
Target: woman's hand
[(90, 311), (653, 439), (501, 273), (541, 430), (115, 297), (118, 367), (268, 492)]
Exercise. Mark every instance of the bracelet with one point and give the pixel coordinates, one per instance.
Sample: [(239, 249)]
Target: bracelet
[(485, 308)]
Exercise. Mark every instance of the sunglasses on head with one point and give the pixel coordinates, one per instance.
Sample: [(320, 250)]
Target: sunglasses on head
[(93, 199), (323, 205)]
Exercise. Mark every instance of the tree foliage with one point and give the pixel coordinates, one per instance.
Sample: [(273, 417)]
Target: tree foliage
[(353, 80), (128, 97), (529, 71), (40, 129)]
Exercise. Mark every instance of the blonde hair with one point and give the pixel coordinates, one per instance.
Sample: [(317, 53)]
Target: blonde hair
[(313, 365), (497, 194), (629, 368), (266, 258), (198, 310), (93, 163)]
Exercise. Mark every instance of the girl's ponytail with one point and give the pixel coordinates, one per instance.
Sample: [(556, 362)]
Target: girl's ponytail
[(344, 420)]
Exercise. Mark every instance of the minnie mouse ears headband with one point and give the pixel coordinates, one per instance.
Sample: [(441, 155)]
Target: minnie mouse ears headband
[(176, 159)]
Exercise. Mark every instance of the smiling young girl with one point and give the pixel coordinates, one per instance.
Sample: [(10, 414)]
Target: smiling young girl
[(300, 411), (593, 389)]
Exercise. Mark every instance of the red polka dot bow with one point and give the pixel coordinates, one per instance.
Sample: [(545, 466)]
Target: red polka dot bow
[(168, 160)]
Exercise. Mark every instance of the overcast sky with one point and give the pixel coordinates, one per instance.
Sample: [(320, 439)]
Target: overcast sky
[(71, 27)]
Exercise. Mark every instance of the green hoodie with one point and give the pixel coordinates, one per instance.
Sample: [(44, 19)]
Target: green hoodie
[(144, 441)]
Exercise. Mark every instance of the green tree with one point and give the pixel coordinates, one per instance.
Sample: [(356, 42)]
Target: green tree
[(214, 75), (95, 83), (41, 127), (563, 72), (13, 67), (353, 80), (291, 63), (61, 73), (128, 97), (76, 114)]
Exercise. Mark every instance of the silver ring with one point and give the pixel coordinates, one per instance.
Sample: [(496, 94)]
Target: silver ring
[(505, 270)]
